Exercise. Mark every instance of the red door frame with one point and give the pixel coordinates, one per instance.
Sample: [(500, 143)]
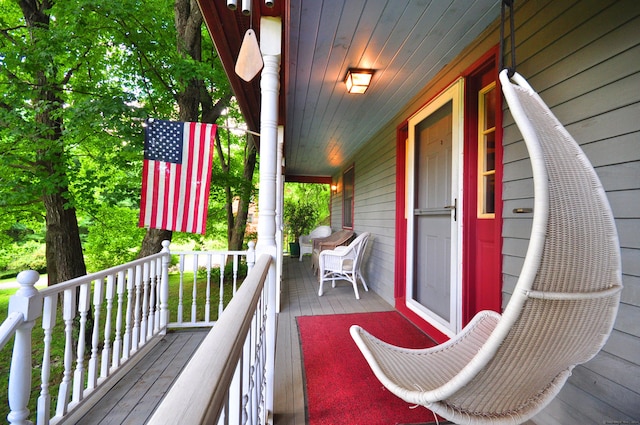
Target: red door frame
[(471, 299), (481, 270)]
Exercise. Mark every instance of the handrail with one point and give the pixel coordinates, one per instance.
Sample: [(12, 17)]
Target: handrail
[(9, 326), (197, 398)]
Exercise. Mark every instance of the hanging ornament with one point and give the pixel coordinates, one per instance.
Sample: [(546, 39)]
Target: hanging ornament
[(249, 61)]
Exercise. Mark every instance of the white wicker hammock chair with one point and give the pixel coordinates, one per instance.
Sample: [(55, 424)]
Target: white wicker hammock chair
[(503, 369)]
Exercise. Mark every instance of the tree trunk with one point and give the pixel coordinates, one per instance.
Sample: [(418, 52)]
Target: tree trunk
[(237, 235), (152, 241), (65, 259), (63, 248)]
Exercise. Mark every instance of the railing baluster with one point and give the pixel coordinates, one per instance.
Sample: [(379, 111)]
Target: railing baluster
[(207, 302), (106, 348), (164, 289), (117, 342), (98, 291), (246, 377), (194, 291), (251, 255), (136, 311), (222, 259), (83, 308), (128, 323), (48, 323), (181, 289), (235, 273), (151, 322), (145, 304), (68, 313), (156, 303)]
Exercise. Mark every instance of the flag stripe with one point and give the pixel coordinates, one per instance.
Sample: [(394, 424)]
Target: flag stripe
[(173, 211), (143, 201), (176, 176), (156, 192), (189, 143)]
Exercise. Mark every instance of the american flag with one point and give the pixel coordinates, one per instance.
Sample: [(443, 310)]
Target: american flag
[(176, 175)]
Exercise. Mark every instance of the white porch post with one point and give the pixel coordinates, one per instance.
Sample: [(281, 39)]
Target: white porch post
[(270, 42), (279, 219)]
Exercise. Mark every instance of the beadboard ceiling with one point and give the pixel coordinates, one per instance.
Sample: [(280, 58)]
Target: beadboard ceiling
[(406, 42)]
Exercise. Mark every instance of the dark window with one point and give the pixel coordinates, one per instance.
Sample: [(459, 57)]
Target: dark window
[(348, 179)]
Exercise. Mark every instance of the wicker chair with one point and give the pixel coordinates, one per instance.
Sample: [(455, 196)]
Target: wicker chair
[(306, 241), (503, 369), (344, 262), (339, 238)]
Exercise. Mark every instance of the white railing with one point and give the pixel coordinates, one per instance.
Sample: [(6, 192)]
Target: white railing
[(195, 269), (103, 319), (234, 356)]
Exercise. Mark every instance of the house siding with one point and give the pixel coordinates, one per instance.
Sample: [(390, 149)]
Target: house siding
[(375, 206), (583, 57)]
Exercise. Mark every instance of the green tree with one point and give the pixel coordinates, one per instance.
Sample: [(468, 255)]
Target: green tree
[(36, 73), (202, 93), (77, 79), (306, 205)]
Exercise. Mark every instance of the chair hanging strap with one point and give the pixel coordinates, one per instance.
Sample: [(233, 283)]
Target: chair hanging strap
[(512, 36)]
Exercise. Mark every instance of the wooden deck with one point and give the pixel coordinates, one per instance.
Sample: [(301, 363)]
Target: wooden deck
[(133, 399)]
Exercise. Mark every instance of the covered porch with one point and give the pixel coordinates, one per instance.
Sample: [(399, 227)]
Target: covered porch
[(137, 394)]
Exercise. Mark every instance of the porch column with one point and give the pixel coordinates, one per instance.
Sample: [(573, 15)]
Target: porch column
[(279, 208), (270, 42)]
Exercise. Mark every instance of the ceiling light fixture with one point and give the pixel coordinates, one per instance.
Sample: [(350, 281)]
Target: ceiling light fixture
[(357, 80)]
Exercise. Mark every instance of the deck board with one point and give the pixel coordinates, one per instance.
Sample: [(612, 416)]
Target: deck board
[(136, 396)]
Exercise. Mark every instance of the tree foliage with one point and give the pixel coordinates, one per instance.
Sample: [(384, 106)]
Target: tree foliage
[(306, 205), (77, 79)]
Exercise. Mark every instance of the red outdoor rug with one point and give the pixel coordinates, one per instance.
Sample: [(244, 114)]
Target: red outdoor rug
[(340, 387)]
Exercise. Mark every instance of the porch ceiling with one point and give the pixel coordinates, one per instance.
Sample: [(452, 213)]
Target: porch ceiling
[(406, 42)]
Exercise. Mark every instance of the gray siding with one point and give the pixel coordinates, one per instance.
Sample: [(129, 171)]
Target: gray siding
[(584, 60), (583, 57), (375, 209)]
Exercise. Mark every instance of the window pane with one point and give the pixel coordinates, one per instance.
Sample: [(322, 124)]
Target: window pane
[(347, 198), (490, 109), (490, 194), (490, 151)]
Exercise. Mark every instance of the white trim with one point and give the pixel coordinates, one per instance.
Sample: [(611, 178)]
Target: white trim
[(455, 94)]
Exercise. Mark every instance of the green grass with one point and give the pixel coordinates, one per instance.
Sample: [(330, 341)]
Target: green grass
[(58, 340)]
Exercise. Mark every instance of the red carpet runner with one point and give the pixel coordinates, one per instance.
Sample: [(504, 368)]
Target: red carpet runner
[(341, 389)]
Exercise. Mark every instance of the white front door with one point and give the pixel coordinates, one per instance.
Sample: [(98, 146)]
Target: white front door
[(434, 209)]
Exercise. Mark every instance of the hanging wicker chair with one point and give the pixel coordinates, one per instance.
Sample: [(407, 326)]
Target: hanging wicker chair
[(503, 369)]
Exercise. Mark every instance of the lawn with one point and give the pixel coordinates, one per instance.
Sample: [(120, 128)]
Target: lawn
[(58, 340)]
